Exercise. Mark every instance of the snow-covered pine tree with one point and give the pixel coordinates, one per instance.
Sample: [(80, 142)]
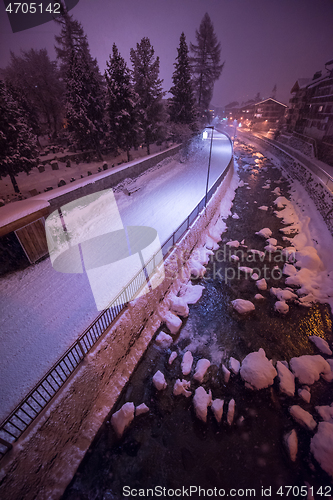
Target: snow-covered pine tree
[(18, 150), (149, 89), (205, 62), (122, 115), (84, 85), (182, 104), (35, 83)]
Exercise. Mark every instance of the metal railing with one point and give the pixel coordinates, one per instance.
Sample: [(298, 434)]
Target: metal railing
[(326, 178), (44, 391)]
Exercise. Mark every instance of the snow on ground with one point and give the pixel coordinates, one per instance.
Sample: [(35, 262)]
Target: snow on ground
[(42, 311)]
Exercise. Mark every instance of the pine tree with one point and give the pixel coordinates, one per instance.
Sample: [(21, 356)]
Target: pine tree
[(182, 104), (34, 81), (18, 151), (149, 89), (121, 104), (205, 63), (84, 85)]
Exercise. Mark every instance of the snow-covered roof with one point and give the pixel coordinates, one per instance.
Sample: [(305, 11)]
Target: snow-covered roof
[(19, 209), (271, 99)]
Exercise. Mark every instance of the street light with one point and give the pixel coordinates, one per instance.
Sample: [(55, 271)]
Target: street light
[(210, 155)]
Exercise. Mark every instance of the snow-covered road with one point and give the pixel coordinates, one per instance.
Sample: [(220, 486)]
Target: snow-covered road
[(43, 311)]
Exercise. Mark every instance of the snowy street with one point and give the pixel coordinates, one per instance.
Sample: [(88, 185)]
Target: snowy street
[(241, 395), (43, 311)]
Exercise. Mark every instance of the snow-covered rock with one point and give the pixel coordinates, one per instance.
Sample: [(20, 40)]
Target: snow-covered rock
[(139, 410), (178, 305), (263, 207), (265, 233), (191, 293), (201, 401), (308, 368), (291, 443), (226, 373), (289, 269), (304, 418), (172, 357), (122, 418), (164, 340), (234, 365), (201, 369), (243, 306), (326, 412), (187, 361), (255, 276), (261, 284), (217, 408), (257, 371), (231, 411), (322, 446), (235, 216), (159, 381), (233, 244), (181, 388), (258, 296), (172, 322), (196, 268), (321, 344), (281, 306), (286, 379), (305, 394)]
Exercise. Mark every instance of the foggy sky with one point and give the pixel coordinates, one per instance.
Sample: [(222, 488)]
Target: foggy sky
[(263, 42)]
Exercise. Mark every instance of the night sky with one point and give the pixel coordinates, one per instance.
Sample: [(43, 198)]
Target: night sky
[(264, 42)]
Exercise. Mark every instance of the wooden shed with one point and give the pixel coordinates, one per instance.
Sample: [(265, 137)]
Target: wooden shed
[(26, 219)]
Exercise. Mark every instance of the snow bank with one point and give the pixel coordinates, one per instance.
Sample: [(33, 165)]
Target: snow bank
[(196, 269), (322, 446), (243, 306), (164, 340), (187, 361), (308, 368), (291, 443), (201, 401), (180, 388), (321, 344), (201, 369), (286, 379), (159, 381), (217, 409), (302, 417), (257, 370), (122, 418)]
